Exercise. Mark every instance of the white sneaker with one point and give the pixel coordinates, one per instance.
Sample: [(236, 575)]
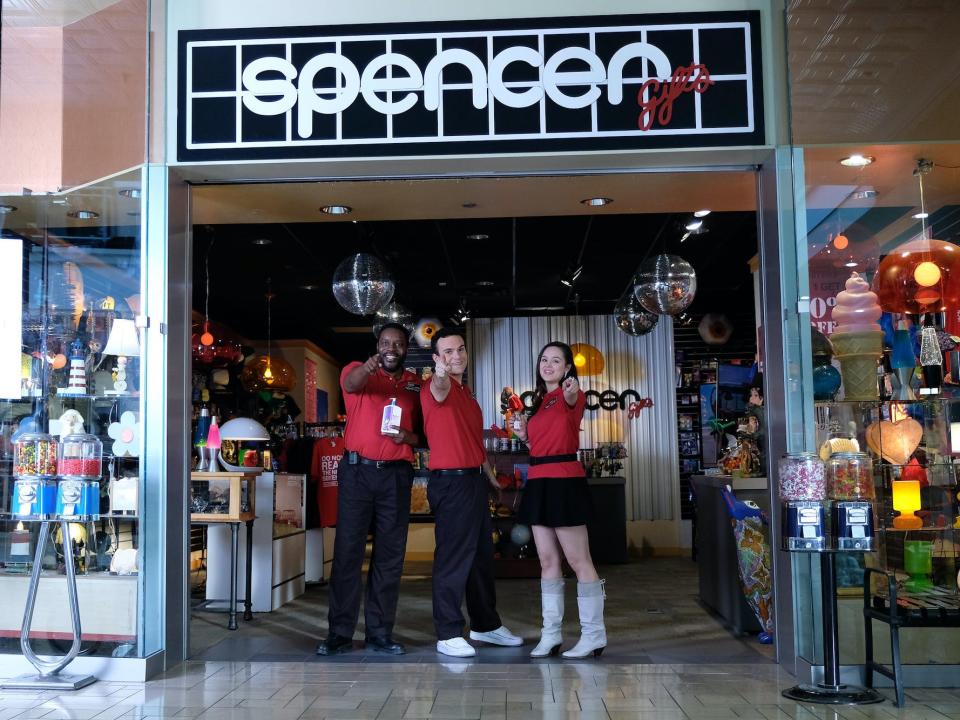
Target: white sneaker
[(500, 636), (456, 647)]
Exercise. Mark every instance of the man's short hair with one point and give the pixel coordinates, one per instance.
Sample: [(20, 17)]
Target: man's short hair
[(445, 332), (394, 326)]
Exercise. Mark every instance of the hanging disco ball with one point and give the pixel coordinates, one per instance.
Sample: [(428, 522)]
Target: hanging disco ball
[(393, 312), (665, 285), (362, 285), (632, 318)]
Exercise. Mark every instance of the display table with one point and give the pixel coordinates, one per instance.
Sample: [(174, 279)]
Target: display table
[(717, 549)]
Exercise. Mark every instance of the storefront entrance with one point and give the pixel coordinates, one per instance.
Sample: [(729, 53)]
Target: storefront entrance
[(517, 260)]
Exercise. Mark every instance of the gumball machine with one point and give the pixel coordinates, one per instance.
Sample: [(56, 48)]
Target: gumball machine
[(802, 496), (851, 493)]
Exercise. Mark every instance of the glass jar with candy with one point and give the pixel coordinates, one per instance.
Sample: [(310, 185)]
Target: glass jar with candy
[(850, 477)]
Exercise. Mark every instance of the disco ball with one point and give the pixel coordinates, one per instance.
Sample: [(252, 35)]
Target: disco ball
[(665, 285), (632, 318), (393, 312), (520, 534), (362, 285)]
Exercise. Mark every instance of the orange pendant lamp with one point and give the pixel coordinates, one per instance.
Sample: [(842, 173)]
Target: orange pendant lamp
[(266, 372)]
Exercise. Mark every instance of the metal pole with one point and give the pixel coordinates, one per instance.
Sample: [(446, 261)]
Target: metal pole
[(234, 555), (248, 600), (831, 649)]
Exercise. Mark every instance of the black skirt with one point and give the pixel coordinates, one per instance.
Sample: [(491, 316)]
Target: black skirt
[(556, 502)]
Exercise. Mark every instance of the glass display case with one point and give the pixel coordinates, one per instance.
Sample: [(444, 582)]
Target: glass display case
[(223, 496), (289, 509)]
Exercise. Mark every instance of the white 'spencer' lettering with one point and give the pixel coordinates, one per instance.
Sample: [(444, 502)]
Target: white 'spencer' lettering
[(266, 94)]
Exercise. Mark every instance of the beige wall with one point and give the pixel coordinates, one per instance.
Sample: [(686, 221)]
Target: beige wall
[(328, 371)]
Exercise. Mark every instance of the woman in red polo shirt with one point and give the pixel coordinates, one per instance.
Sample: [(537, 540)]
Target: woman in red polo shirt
[(556, 503)]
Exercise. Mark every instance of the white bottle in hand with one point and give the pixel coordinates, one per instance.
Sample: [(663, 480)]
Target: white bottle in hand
[(390, 424)]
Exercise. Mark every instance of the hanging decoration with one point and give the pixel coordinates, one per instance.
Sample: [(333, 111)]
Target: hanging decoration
[(715, 329), (923, 274), (206, 338), (266, 372), (665, 284), (631, 316), (362, 285), (393, 312), (424, 331)]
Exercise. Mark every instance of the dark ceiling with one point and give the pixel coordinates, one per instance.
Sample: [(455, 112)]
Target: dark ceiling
[(516, 270)]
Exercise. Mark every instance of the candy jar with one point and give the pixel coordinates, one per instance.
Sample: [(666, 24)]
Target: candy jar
[(850, 476), (80, 456), (35, 455), (802, 477)]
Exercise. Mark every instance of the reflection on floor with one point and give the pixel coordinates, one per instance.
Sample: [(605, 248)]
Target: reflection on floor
[(653, 616), (361, 691)]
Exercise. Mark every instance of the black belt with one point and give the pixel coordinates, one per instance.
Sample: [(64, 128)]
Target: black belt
[(458, 471), (544, 459), (353, 458)]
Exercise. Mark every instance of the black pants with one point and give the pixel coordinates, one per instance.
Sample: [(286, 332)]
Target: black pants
[(463, 559), (377, 500)]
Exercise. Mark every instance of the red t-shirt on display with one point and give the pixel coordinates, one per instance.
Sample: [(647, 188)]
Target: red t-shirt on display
[(454, 428), (365, 413), (555, 430)]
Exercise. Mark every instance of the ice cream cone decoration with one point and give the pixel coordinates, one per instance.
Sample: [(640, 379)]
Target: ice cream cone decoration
[(858, 341)]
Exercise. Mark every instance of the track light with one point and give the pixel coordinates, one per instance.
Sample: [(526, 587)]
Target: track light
[(571, 277)]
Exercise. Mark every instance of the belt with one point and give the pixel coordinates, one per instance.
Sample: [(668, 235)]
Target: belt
[(544, 459), (458, 471), (355, 458)]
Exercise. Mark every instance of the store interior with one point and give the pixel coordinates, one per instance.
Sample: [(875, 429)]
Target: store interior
[(516, 261)]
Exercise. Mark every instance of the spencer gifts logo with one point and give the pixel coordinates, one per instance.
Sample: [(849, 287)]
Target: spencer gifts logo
[(639, 81)]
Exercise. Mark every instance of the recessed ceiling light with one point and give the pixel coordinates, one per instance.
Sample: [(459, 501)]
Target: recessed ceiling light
[(701, 213), (850, 264), (131, 193), (263, 241), (83, 214), (596, 201), (484, 283), (309, 287), (469, 205), (920, 216), (694, 225), (478, 236), (336, 209), (857, 160), (864, 194), (59, 201), (442, 283), (7, 209)]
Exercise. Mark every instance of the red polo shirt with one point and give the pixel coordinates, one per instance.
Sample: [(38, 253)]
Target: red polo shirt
[(555, 430), (365, 411), (454, 428)]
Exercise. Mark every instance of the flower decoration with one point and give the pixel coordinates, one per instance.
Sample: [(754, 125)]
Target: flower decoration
[(126, 435)]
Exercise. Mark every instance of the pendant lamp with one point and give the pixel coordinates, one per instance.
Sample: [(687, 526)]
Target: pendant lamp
[(266, 372), (923, 274)]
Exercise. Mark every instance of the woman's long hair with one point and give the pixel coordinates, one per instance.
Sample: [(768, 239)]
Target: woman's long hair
[(540, 386)]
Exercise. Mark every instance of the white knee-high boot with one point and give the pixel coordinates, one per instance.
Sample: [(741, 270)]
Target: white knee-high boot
[(593, 634), (551, 602)]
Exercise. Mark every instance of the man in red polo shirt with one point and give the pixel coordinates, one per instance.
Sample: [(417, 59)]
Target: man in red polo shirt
[(374, 479), (458, 490)]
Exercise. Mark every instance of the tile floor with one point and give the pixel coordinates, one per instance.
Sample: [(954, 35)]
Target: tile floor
[(364, 691)]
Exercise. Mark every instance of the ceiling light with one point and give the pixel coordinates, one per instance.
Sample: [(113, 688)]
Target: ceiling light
[(309, 287), (701, 213), (131, 193), (597, 201), (83, 214), (478, 236), (59, 201), (920, 216), (857, 160), (864, 194), (442, 283), (469, 205), (484, 283), (7, 209), (262, 241), (694, 225), (571, 277), (850, 264), (336, 209)]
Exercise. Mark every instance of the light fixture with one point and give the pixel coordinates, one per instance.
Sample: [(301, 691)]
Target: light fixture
[(336, 209), (920, 216), (587, 359), (7, 209), (484, 283), (308, 286), (856, 160), (701, 213), (694, 225), (850, 264), (570, 278), (122, 343), (129, 193), (918, 564), (206, 339), (906, 500), (868, 194), (468, 205), (266, 372), (239, 430), (83, 214), (478, 236), (596, 201), (927, 274), (840, 241), (262, 241)]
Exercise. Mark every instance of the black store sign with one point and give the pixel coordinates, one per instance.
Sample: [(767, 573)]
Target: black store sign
[(556, 84)]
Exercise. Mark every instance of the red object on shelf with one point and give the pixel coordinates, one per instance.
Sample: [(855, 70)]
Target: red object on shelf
[(914, 471)]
